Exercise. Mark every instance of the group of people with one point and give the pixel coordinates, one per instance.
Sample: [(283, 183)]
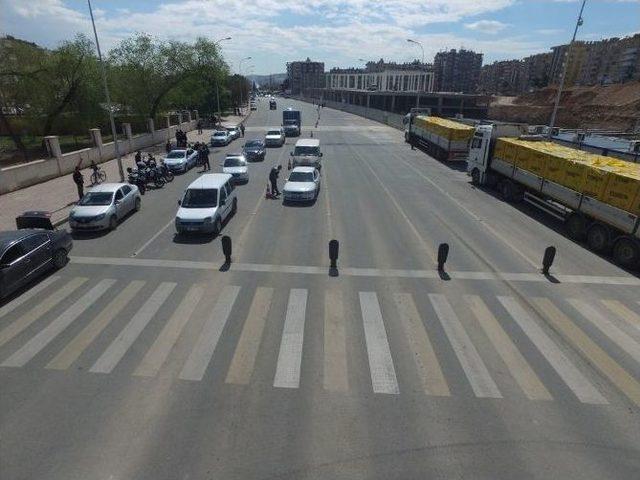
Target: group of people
[(203, 155)]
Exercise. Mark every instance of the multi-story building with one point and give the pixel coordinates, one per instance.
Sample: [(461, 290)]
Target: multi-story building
[(305, 74), (537, 69), (384, 77), (457, 70), (507, 77)]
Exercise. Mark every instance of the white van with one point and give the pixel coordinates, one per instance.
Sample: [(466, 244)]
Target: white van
[(206, 204), (307, 153)]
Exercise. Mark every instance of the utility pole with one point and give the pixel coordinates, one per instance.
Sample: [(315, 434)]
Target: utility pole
[(564, 71), (240, 72), (106, 92), (218, 81)]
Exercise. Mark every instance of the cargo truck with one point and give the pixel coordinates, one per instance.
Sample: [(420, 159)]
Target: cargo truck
[(597, 198), (291, 122), (443, 139)]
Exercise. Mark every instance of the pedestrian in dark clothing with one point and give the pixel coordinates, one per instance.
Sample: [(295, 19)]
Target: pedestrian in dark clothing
[(168, 146), (206, 166), (200, 127), (242, 129), (273, 178), (79, 181)]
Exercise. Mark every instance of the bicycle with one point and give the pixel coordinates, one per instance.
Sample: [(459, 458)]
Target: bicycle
[(98, 176)]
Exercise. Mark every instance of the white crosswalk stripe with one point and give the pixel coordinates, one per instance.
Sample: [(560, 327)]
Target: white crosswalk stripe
[(572, 377), (28, 295), (606, 326), (114, 353), (383, 373), (200, 356), (470, 361), (290, 355), (55, 328)]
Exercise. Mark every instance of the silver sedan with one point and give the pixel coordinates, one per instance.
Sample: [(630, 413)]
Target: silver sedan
[(104, 206)]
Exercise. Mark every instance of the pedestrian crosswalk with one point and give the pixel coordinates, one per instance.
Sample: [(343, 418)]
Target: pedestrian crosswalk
[(391, 342)]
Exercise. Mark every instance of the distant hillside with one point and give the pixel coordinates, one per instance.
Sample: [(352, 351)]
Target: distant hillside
[(276, 78)]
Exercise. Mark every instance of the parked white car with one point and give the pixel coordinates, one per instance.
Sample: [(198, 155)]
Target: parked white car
[(220, 137), (274, 137), (104, 206), (235, 164), (206, 204), (303, 185), (234, 132), (181, 160)]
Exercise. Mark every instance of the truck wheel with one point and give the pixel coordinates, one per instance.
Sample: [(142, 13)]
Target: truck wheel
[(598, 237), (507, 191), (475, 177), (626, 252), (576, 226)]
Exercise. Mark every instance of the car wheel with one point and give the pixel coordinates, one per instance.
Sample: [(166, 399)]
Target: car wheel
[(234, 208), (138, 204), (113, 223), (60, 258), (217, 227)]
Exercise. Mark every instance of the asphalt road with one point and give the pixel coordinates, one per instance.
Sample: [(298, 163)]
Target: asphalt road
[(142, 360)]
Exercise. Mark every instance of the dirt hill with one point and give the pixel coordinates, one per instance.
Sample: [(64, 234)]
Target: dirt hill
[(611, 107)]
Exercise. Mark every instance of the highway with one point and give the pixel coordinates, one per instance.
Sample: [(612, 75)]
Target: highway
[(142, 359)]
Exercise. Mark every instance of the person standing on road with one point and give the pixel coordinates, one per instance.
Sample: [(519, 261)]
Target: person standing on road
[(273, 178), (206, 166), (242, 129), (200, 127), (79, 181), (168, 147)]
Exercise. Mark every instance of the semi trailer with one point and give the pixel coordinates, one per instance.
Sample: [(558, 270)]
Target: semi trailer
[(597, 197)]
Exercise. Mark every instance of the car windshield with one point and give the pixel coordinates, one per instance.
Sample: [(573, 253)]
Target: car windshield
[(301, 177), (220, 134), (306, 150), (273, 132), (200, 198), (176, 154), (253, 144), (96, 198), (234, 162)]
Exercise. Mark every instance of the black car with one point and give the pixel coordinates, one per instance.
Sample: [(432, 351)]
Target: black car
[(27, 253), (254, 150)]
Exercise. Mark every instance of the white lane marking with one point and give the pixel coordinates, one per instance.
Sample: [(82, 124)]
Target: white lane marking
[(290, 355), (55, 328), (470, 361), (148, 242), (520, 370), (159, 351), (114, 353), (16, 302), (383, 373), (356, 271), (198, 361), (624, 312), (75, 347), (246, 352), (40, 309), (572, 377), (606, 326), (335, 377)]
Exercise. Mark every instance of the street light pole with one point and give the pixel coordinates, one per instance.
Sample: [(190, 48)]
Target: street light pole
[(106, 92), (217, 81), (240, 72), (420, 45), (564, 71)]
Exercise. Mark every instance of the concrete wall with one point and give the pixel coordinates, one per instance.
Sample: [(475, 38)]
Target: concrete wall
[(392, 119), (27, 174)]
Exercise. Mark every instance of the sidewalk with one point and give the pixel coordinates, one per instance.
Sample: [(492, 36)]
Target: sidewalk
[(58, 195)]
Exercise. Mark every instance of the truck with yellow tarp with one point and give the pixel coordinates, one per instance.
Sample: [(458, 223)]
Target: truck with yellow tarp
[(597, 197), (441, 138)]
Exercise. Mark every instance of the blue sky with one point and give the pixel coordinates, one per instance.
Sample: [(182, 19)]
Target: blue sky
[(338, 32)]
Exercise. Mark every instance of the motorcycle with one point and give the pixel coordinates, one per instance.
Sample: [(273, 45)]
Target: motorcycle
[(160, 169), (134, 178)]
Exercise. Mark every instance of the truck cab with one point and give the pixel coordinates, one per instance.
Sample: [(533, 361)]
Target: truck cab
[(478, 160), (291, 122)]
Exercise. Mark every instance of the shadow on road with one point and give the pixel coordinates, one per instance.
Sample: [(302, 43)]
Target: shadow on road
[(194, 238)]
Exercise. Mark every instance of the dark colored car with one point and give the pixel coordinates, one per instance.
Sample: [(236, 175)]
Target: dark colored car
[(27, 253), (254, 150)]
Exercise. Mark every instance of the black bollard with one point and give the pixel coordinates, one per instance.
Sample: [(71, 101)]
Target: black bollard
[(547, 260), (443, 253), (226, 249), (334, 247)]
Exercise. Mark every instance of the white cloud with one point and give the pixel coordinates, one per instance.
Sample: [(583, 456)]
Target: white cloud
[(549, 31), (490, 27)]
